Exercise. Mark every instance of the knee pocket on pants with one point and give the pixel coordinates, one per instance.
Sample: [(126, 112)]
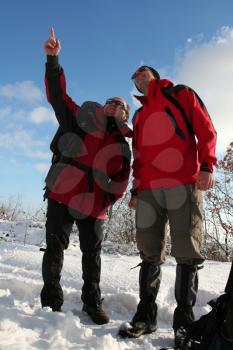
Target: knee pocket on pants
[(55, 244)]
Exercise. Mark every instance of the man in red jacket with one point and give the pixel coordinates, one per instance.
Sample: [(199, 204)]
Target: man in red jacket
[(174, 152), (89, 172)]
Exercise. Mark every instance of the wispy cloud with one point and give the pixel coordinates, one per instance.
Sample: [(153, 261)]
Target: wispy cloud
[(42, 167), (38, 115), (21, 142), (22, 107), (41, 115), (37, 154), (18, 138), (12, 114), (25, 91)]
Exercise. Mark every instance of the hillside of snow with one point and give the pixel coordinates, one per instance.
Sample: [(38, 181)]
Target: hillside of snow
[(25, 326)]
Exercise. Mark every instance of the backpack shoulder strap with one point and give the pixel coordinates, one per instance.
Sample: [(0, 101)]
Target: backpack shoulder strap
[(135, 116), (170, 94)]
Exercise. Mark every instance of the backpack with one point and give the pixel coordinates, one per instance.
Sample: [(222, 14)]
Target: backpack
[(214, 331), (85, 123)]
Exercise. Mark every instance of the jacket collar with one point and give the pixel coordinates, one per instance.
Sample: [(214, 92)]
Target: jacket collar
[(153, 87)]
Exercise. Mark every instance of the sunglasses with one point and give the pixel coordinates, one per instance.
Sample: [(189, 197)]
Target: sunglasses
[(139, 70), (117, 103)]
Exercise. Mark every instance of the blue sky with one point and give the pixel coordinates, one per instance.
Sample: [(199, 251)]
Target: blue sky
[(103, 42)]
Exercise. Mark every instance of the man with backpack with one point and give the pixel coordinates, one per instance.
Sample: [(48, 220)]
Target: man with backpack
[(89, 172), (174, 153)]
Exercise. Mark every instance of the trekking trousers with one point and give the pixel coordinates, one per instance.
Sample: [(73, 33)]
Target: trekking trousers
[(181, 206), (58, 228)]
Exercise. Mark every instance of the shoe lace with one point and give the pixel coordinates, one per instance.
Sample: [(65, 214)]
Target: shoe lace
[(99, 305)]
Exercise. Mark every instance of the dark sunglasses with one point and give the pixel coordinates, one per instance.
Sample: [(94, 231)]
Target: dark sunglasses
[(141, 69), (117, 103)]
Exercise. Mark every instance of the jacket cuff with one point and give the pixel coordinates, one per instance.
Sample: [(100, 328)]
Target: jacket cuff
[(52, 60), (133, 192), (206, 167)]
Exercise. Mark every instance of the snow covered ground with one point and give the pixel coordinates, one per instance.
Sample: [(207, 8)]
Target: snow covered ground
[(25, 326)]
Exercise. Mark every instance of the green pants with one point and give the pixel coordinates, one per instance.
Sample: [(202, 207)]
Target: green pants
[(182, 208)]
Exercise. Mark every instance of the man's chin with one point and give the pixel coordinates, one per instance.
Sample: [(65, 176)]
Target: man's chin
[(143, 86)]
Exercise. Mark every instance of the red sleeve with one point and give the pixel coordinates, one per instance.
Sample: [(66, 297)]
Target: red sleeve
[(204, 131)]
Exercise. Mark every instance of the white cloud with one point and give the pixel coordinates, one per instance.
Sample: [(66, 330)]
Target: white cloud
[(208, 68), (41, 115), (37, 154), (20, 142), (24, 91), (18, 138), (42, 167), (12, 115)]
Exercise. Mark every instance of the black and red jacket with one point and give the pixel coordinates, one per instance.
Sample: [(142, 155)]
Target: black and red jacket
[(173, 137), (91, 159)]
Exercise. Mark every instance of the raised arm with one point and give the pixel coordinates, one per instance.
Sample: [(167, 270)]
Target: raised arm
[(64, 107)]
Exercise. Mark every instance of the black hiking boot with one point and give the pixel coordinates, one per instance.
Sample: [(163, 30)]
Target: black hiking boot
[(186, 288), (143, 322), (52, 296), (145, 318), (180, 336), (96, 313), (136, 329)]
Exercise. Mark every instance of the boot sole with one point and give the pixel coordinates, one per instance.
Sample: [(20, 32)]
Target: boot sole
[(96, 320), (130, 333)]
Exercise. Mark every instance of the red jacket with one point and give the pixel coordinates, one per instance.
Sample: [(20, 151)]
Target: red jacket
[(91, 166), (173, 137)]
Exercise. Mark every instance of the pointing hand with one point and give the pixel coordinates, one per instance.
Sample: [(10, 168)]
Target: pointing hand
[(52, 46)]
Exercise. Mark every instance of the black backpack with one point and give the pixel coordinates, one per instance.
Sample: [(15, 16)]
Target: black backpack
[(214, 331), (71, 141)]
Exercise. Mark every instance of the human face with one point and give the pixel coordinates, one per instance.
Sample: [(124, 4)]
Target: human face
[(142, 78), (117, 108)]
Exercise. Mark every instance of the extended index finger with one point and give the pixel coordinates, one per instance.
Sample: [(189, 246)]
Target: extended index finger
[(52, 33)]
